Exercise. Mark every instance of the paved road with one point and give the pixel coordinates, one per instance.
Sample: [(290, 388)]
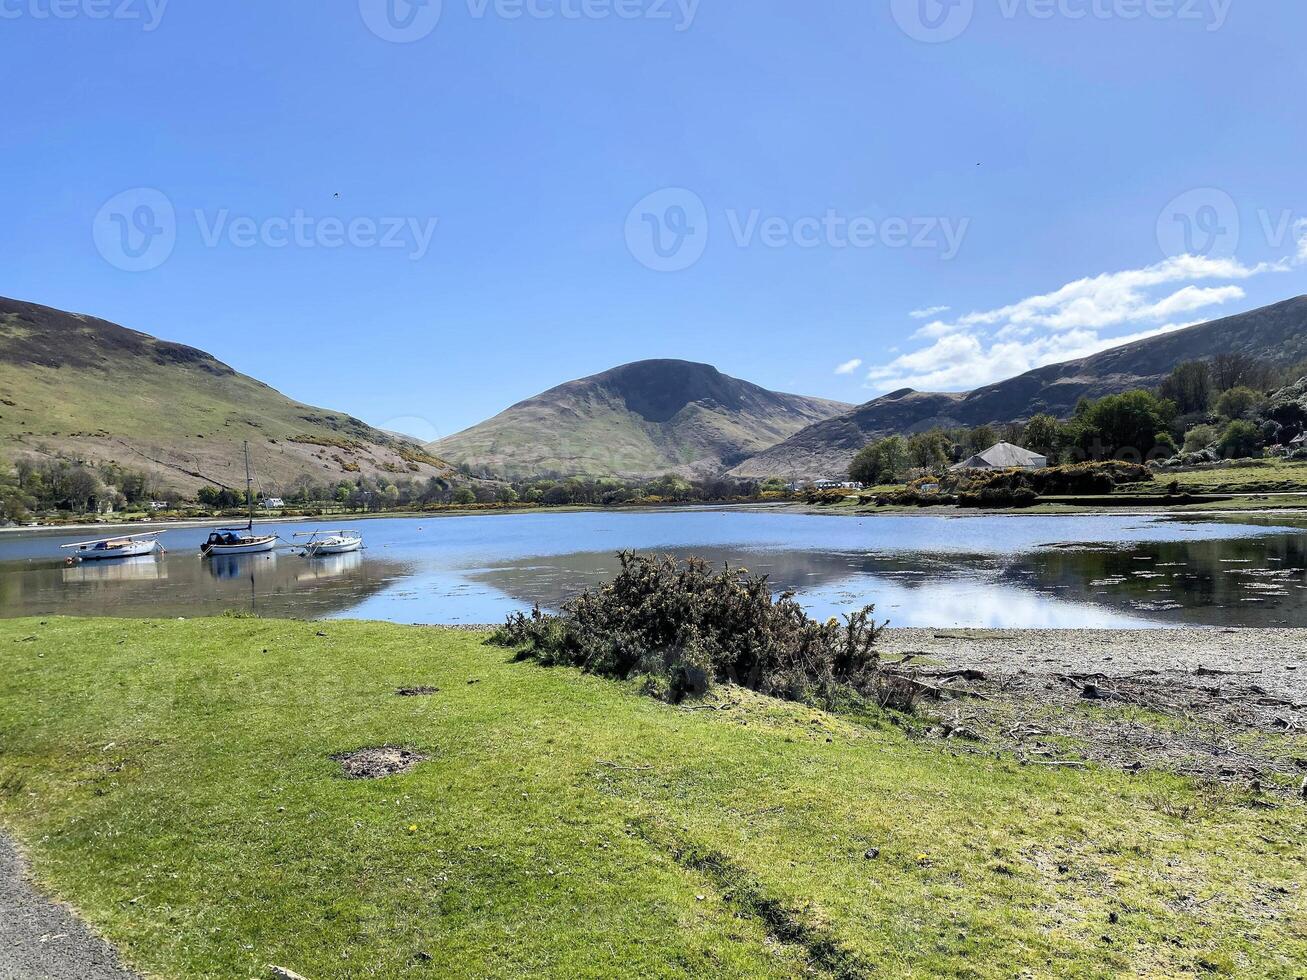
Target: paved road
[(41, 939)]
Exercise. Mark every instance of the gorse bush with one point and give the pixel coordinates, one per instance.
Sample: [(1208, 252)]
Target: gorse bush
[(683, 627)]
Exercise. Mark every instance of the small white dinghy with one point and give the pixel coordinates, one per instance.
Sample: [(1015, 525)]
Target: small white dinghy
[(123, 546), (321, 543)]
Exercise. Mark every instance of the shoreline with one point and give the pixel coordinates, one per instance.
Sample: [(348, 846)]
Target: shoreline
[(385, 515), (784, 507)]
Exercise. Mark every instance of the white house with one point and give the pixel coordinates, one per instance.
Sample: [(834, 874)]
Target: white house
[(1004, 456), (273, 503)]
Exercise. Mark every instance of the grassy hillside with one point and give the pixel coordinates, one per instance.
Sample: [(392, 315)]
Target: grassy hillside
[(93, 390), (1276, 334), (638, 420), (174, 780)]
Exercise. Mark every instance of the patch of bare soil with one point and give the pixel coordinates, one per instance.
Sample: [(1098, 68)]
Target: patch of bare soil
[(378, 762)]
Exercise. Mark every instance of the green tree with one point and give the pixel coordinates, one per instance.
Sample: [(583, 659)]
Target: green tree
[(1200, 437), (880, 462), (1041, 435), (979, 439), (1165, 442), (1122, 426), (1240, 439), (929, 450), (464, 496), (1189, 385), (82, 487), (1238, 403)]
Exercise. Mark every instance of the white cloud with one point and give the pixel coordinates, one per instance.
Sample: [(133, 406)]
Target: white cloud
[(1079, 319), (929, 311), (938, 328), (848, 367)]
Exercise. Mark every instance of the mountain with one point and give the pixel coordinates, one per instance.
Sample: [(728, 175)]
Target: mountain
[(1275, 333), (91, 390), (638, 420)]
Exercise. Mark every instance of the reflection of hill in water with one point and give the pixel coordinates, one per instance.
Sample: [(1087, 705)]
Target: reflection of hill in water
[(550, 581), (185, 585), (1244, 582)]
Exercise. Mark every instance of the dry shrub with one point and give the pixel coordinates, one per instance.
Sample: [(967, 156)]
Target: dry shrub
[(1020, 487), (825, 497), (684, 626)]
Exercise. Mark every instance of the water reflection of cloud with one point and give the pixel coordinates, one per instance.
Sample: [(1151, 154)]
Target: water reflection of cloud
[(962, 602)]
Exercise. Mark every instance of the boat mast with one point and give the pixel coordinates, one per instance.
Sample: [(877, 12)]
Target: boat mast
[(249, 486)]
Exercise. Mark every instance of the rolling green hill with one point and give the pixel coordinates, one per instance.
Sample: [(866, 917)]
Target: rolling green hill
[(91, 390), (1277, 334), (637, 420)]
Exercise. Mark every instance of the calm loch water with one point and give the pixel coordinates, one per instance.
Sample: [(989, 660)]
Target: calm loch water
[(920, 570)]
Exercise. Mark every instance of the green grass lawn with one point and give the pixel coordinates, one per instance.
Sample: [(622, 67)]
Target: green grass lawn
[(1271, 475), (173, 780)]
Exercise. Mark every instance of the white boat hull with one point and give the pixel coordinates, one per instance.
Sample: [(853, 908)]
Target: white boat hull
[(332, 548), (132, 549), (251, 546)]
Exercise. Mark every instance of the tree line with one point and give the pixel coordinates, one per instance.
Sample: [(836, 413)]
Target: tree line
[(55, 484), (1231, 406)]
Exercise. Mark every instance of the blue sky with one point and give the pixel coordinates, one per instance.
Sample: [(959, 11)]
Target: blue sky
[(814, 173)]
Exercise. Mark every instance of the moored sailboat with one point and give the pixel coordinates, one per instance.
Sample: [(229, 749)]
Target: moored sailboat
[(323, 543), (240, 541), (123, 546)]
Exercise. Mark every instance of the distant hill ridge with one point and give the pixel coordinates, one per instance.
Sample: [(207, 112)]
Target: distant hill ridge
[(638, 420), (92, 390), (1276, 333)]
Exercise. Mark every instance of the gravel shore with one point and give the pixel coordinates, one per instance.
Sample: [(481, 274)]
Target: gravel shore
[(1277, 656)]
